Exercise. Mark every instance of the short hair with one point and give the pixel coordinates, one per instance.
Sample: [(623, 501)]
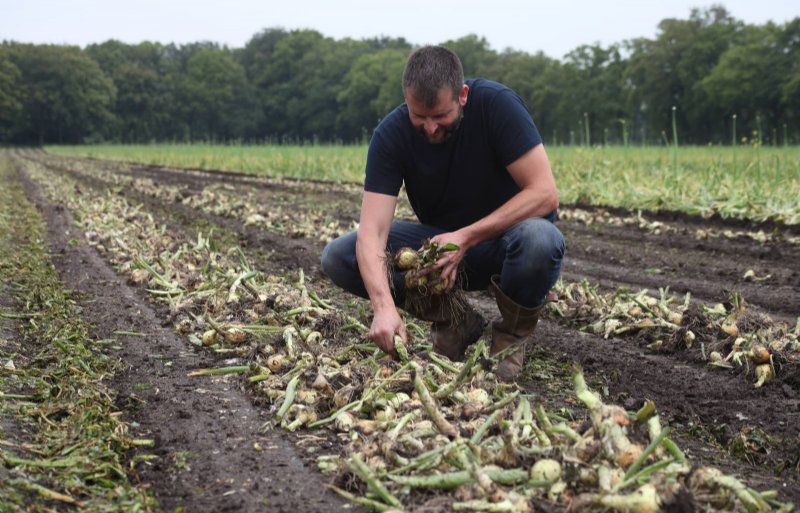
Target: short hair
[(429, 69)]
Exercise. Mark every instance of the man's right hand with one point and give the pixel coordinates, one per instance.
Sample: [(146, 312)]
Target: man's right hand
[(385, 325)]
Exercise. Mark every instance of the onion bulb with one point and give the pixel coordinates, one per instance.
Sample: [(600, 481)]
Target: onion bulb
[(209, 337), (730, 329), (759, 354), (406, 258), (441, 286), (139, 276), (235, 336), (675, 318), (764, 373), (277, 362), (415, 281), (345, 421), (643, 500), (479, 395), (320, 382), (546, 470)]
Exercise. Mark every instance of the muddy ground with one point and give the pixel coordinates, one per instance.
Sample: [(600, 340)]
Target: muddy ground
[(217, 451)]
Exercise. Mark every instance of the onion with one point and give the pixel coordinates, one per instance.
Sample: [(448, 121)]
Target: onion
[(730, 329), (320, 382), (471, 409), (367, 426), (307, 397), (441, 286), (643, 500), (479, 395), (414, 281), (406, 258), (626, 457), (546, 470), (345, 421), (139, 276), (277, 362), (764, 373), (209, 337), (235, 336), (386, 414), (398, 399), (759, 354), (675, 318)]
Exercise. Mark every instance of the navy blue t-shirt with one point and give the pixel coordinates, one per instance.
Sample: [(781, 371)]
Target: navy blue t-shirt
[(455, 183)]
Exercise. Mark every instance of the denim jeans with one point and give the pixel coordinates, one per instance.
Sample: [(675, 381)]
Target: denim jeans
[(527, 257)]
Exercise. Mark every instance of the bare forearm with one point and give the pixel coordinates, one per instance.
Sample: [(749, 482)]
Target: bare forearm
[(371, 255), (526, 204)]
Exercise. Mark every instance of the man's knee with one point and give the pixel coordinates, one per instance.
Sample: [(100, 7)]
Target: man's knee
[(338, 258), (539, 240)]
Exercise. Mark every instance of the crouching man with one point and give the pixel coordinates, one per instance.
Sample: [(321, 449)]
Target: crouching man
[(477, 176)]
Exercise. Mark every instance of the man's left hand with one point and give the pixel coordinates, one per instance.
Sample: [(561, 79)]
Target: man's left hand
[(449, 261)]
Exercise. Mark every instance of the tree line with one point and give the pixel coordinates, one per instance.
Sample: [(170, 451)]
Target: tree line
[(715, 78)]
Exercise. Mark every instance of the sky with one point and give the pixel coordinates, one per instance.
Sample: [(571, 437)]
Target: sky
[(553, 27)]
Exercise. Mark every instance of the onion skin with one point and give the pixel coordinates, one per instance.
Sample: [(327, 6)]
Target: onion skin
[(406, 258), (759, 354), (730, 330), (546, 470), (441, 286), (414, 281), (209, 337), (235, 336), (139, 276), (276, 362), (764, 373)]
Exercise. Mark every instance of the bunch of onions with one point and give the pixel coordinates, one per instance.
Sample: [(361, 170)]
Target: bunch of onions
[(417, 267)]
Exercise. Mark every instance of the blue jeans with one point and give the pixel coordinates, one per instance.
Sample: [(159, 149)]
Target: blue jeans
[(527, 257)]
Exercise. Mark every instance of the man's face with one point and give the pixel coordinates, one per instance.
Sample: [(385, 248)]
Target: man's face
[(437, 123)]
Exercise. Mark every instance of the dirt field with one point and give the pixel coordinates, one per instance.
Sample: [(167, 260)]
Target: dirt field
[(218, 451)]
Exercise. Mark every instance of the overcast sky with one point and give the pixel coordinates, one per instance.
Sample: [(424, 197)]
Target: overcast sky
[(554, 27)]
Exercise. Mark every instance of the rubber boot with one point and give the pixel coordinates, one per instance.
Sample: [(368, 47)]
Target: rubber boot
[(514, 329), (455, 324)]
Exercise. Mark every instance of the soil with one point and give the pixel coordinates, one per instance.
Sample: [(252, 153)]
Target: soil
[(217, 453)]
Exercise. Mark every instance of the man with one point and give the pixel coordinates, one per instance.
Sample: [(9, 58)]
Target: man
[(477, 175)]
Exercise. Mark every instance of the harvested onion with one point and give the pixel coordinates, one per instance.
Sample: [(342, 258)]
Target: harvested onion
[(406, 258), (546, 470), (764, 373)]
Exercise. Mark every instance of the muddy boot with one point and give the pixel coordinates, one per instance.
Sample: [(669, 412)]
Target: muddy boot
[(455, 325), (515, 329)]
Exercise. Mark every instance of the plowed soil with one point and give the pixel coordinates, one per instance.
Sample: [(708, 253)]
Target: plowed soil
[(217, 451)]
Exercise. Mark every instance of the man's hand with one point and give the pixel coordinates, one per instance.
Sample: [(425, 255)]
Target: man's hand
[(448, 261), (385, 324)]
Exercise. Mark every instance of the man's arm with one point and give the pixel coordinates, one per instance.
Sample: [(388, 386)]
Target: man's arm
[(377, 212), (538, 196)]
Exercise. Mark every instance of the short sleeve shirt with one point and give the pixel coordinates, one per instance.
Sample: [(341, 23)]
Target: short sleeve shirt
[(455, 183)]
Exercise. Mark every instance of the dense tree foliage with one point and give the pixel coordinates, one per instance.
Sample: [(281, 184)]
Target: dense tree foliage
[(300, 86)]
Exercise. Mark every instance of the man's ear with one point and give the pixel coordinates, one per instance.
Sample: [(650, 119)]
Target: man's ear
[(462, 96)]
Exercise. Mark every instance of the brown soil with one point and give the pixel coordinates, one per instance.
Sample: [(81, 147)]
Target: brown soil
[(212, 427)]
